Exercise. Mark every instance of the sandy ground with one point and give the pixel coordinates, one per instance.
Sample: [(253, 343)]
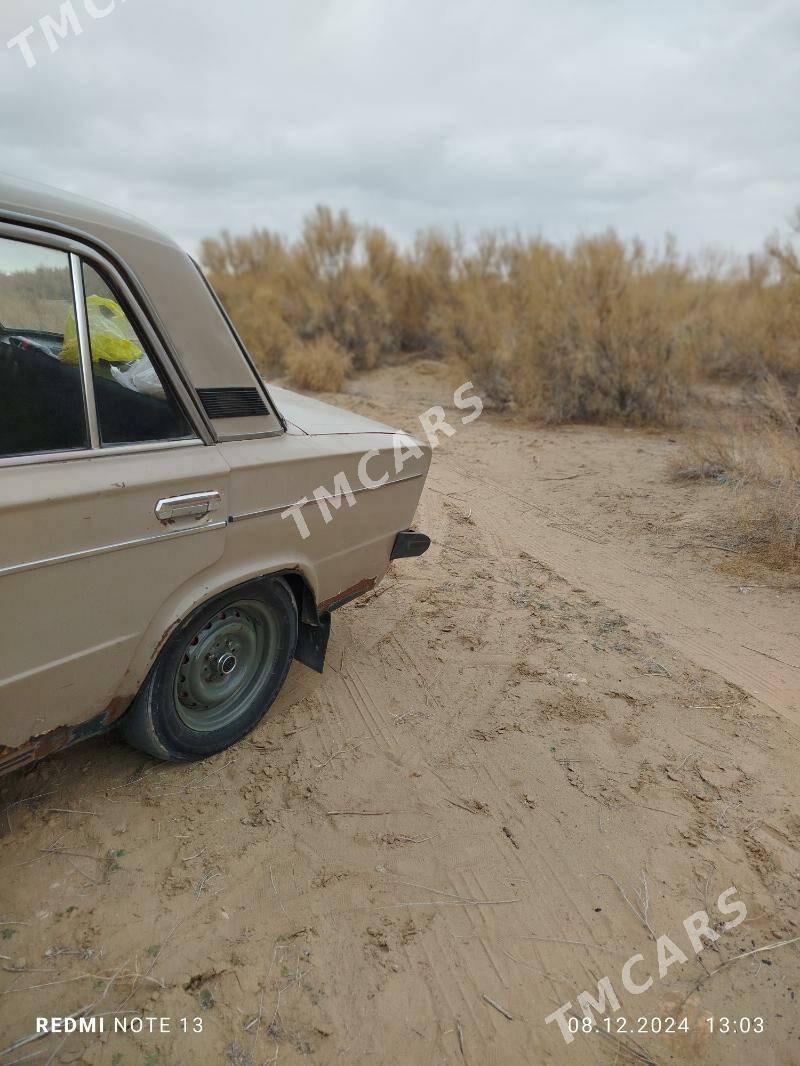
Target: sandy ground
[(562, 732)]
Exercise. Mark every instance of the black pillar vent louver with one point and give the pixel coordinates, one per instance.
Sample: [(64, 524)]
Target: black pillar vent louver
[(232, 402)]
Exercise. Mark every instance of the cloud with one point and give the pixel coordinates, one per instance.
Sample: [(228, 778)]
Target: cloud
[(543, 117)]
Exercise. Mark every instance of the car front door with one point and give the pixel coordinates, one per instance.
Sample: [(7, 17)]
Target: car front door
[(110, 500)]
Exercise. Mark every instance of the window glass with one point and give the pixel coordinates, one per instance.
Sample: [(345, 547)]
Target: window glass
[(134, 403), (41, 394)]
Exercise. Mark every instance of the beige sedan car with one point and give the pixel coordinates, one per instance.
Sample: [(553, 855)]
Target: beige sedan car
[(173, 533)]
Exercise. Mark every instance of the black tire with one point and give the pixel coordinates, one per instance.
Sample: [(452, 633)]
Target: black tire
[(193, 704)]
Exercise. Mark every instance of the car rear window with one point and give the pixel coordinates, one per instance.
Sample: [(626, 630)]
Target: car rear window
[(133, 399)]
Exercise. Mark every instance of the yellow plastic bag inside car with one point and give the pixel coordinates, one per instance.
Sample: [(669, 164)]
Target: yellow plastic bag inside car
[(112, 338)]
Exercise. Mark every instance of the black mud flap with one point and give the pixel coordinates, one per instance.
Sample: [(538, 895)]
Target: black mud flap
[(409, 544), (312, 642)]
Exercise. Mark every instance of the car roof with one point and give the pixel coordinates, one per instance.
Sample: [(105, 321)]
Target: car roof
[(30, 198)]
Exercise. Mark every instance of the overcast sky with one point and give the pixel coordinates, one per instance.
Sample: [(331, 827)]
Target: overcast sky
[(554, 117)]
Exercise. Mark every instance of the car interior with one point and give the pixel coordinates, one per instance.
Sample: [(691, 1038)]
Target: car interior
[(43, 408)]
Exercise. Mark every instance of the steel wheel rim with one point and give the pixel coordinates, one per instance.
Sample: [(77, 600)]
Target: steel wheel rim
[(223, 664)]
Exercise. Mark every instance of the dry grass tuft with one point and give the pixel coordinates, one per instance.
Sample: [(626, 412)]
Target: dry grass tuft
[(319, 365), (757, 461)]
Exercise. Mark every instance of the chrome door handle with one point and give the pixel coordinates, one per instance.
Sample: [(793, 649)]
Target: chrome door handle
[(195, 505)]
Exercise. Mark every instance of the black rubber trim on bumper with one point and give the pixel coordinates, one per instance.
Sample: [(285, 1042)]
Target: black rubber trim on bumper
[(409, 544)]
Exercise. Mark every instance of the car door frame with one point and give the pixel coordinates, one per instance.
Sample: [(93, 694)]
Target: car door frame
[(152, 333), (158, 348)]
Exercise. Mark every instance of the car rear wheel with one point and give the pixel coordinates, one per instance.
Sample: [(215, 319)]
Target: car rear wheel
[(217, 675)]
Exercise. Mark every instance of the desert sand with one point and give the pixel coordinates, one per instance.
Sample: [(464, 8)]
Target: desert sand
[(567, 728)]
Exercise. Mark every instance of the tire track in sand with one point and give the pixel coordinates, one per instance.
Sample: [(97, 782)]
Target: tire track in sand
[(696, 619)]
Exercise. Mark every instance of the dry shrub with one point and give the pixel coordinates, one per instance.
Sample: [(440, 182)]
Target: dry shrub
[(757, 460), (256, 310), (752, 323), (336, 282), (608, 338), (600, 331), (320, 365), (247, 274), (769, 503), (752, 313), (36, 299)]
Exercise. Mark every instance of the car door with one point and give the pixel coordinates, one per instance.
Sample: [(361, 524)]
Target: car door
[(110, 499)]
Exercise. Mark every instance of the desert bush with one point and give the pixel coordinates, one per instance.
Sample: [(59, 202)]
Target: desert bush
[(755, 458), (335, 282), (782, 356), (601, 330), (320, 365), (609, 338), (752, 313), (36, 299), (598, 332), (752, 323)]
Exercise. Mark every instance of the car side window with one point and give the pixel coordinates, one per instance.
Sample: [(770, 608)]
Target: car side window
[(134, 402), (42, 406)]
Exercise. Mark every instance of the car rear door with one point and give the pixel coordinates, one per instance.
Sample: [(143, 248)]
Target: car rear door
[(111, 496)]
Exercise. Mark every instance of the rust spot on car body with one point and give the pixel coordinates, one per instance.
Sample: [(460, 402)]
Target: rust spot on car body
[(63, 737), (341, 598)]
